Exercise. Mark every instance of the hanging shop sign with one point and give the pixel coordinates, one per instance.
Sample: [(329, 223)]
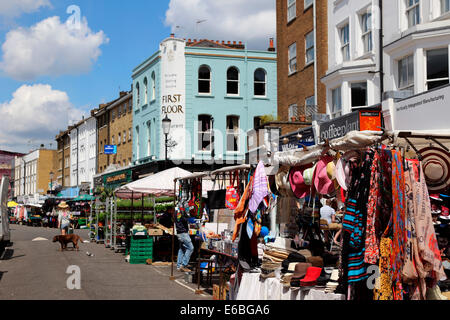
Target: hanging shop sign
[(355, 121), (298, 139), (428, 111), (117, 178)]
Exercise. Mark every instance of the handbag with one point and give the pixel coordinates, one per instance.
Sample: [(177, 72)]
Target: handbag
[(232, 193), (216, 198)]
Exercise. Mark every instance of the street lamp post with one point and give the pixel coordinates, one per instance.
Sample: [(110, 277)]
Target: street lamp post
[(166, 122)]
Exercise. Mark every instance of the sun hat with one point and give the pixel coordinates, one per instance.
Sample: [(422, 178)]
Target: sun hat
[(436, 167), (297, 182), (63, 205), (343, 174), (300, 270), (323, 184), (308, 175), (282, 182)]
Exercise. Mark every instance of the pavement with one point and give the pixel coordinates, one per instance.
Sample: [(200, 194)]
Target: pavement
[(36, 270)]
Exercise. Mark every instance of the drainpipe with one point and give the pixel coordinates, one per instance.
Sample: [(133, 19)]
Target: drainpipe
[(315, 53), (380, 3)]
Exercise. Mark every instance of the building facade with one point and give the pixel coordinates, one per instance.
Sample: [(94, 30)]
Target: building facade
[(114, 127), (32, 174), (83, 147), (7, 167), (353, 78), (213, 92), (63, 159), (302, 46)]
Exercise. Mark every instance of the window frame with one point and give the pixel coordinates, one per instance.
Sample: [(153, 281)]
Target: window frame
[(409, 8), (408, 85), (310, 105), (291, 4), (229, 132), (205, 80), (202, 133), (365, 18), (427, 81), (290, 59), (138, 94), (153, 86), (145, 90), (308, 49), (255, 82), (307, 5), (345, 46), (445, 4), (292, 111), (352, 84), (335, 113), (238, 81)]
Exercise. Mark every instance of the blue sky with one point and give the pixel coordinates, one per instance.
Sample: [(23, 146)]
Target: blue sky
[(49, 76)]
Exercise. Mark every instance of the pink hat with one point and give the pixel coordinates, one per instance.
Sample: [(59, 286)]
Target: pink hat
[(343, 174), (297, 182), (323, 184)]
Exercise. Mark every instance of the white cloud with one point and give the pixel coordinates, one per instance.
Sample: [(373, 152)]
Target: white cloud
[(35, 113), (14, 8), (50, 48), (251, 21)]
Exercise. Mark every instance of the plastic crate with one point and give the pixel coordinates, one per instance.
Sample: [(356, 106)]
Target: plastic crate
[(141, 249)]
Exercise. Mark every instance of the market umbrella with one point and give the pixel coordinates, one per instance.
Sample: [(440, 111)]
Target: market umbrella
[(12, 204)]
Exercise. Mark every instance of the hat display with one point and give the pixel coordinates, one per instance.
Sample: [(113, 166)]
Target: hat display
[(308, 175), (316, 261), (297, 182), (63, 205), (323, 184), (342, 172), (436, 167), (282, 182)]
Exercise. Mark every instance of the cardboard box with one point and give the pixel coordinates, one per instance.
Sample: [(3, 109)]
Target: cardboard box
[(155, 232)]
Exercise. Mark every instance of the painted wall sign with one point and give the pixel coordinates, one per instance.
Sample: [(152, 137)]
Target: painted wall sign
[(173, 96)]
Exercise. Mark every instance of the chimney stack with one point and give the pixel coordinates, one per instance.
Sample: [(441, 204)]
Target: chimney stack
[(172, 35), (271, 47)]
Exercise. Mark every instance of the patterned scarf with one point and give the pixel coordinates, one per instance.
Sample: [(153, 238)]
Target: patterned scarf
[(385, 212), (399, 217), (372, 252)]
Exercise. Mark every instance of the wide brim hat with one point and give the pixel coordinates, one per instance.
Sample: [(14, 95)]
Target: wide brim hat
[(297, 182), (63, 205), (282, 182), (308, 175), (300, 270), (343, 174), (322, 183), (436, 168)]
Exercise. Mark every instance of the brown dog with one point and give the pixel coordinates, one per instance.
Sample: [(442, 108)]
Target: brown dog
[(67, 238)]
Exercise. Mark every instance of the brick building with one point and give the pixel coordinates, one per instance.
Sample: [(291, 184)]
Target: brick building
[(7, 165), (114, 127), (62, 165), (302, 46)]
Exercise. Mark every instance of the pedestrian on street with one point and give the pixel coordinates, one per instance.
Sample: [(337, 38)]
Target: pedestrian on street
[(185, 243), (63, 217)]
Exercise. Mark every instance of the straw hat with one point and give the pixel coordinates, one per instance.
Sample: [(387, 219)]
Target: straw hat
[(308, 175), (436, 167), (282, 182), (63, 205)]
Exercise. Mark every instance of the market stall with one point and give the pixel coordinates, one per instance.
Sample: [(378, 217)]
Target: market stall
[(381, 188)]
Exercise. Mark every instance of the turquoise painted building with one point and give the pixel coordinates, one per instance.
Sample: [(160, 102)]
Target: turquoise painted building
[(212, 92)]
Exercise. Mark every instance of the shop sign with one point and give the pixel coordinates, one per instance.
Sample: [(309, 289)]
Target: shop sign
[(292, 140), (117, 178), (428, 111), (339, 127), (110, 149)]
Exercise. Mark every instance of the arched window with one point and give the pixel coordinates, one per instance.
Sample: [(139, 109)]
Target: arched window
[(232, 133), (260, 83), (153, 86), (145, 90), (138, 95), (233, 81), (204, 132), (204, 80)]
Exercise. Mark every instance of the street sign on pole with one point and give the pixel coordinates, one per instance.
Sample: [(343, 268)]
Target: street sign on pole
[(110, 149)]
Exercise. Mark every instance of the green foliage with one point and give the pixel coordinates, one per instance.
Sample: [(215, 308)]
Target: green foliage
[(268, 118)]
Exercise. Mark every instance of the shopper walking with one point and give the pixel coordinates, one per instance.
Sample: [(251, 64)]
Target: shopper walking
[(185, 243), (63, 217)]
